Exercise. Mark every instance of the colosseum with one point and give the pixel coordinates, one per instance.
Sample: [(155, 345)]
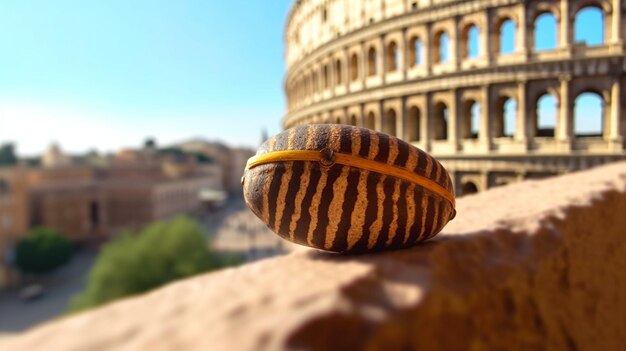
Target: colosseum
[(479, 84)]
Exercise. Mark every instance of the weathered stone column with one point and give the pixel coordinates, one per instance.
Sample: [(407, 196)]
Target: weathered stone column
[(616, 137), (346, 69), (485, 134), (363, 65), (401, 119), (485, 35), (521, 40), (565, 37), (453, 121), (404, 55), (522, 118), (427, 54), (361, 116), (616, 24), (378, 122), (382, 60), (425, 125), (564, 122), (453, 45)]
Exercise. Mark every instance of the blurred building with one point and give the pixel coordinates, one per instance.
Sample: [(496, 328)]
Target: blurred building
[(92, 203), (232, 160)]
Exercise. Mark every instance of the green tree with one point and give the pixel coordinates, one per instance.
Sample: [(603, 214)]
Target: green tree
[(135, 263), (42, 251), (7, 155)]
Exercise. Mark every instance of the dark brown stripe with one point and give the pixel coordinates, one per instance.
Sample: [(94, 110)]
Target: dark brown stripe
[(273, 191), (383, 148), (430, 213), (341, 240), (254, 188), (420, 167), (435, 171), (402, 216), (319, 237), (302, 227), (403, 154), (365, 142), (294, 184), (371, 212), (345, 145), (322, 137), (387, 216)]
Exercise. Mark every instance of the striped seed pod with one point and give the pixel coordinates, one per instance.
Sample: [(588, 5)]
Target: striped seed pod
[(347, 189)]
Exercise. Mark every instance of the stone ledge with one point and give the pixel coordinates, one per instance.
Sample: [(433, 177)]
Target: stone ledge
[(531, 266)]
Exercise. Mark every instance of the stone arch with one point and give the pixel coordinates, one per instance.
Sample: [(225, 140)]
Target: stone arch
[(470, 37), (415, 51), (505, 122), (372, 61), (546, 112), (469, 187), (545, 31), (506, 30), (413, 124), (354, 67), (370, 121), (326, 76), (440, 49), (390, 121), (470, 119), (589, 114), (316, 81), (353, 120), (338, 72), (589, 15), (440, 121), (392, 57)]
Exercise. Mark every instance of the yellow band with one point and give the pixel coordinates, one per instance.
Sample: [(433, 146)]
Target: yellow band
[(352, 161)]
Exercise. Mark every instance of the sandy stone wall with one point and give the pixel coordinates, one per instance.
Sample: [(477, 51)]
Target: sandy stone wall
[(537, 265)]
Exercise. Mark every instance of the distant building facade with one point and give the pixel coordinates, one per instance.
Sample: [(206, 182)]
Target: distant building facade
[(408, 68), (92, 203)]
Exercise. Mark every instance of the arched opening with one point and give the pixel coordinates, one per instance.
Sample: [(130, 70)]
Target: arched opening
[(338, 72), (326, 77), (354, 67), (440, 49), (370, 121), (589, 18), (413, 124), (545, 32), (392, 57), (316, 82), (588, 115), (468, 188), (440, 122), (389, 124), (353, 120), (470, 39), (546, 116), (415, 52), (505, 123), (470, 122), (506, 40), (338, 120), (372, 62)]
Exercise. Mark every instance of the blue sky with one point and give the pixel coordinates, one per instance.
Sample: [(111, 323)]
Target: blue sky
[(107, 74)]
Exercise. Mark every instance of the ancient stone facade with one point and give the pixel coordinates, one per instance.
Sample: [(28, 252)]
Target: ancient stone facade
[(407, 68)]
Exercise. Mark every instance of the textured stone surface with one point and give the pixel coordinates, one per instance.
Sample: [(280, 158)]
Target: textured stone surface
[(531, 266)]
